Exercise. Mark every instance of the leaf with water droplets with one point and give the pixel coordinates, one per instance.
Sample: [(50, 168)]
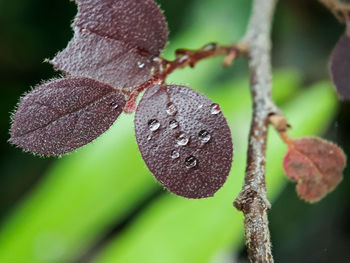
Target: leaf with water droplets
[(191, 151), (316, 165), (340, 67), (62, 115), (114, 42)]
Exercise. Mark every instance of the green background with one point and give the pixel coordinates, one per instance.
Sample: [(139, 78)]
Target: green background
[(100, 203)]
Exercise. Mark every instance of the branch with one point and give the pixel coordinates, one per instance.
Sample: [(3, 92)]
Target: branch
[(184, 58), (252, 200)]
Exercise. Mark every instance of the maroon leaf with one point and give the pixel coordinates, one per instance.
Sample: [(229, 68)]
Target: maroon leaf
[(317, 165), (184, 140), (340, 67), (114, 42), (62, 115), (108, 61), (138, 24)]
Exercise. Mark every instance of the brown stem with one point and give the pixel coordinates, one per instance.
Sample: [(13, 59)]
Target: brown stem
[(252, 200), (187, 57)]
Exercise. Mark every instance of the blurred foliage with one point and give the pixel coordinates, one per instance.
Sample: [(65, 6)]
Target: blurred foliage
[(100, 203)]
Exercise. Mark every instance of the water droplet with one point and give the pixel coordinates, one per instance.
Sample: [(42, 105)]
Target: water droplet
[(153, 125), (182, 140), (149, 137), (140, 64), (183, 58), (190, 162), (204, 136), (157, 59), (210, 47), (171, 109), (114, 105), (200, 106), (173, 124), (175, 154), (215, 109), (84, 30)]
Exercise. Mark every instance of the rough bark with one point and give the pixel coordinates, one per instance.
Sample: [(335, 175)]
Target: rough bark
[(252, 200)]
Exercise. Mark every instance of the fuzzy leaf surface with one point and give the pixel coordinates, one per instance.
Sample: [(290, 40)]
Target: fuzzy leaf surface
[(114, 42), (62, 115), (316, 165), (139, 24), (184, 140)]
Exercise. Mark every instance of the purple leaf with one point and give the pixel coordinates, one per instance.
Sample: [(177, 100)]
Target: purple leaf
[(139, 24), (184, 140), (114, 42), (62, 115), (340, 67), (108, 61)]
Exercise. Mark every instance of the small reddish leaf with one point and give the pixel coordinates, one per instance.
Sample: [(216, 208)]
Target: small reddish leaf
[(340, 67), (184, 140), (62, 115), (316, 165), (114, 42)]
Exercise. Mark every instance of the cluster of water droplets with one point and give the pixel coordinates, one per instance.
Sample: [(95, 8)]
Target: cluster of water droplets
[(182, 139)]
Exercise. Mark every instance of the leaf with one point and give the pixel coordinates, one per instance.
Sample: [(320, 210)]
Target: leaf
[(114, 42), (108, 61), (184, 140), (62, 115), (140, 24), (340, 67), (316, 165)]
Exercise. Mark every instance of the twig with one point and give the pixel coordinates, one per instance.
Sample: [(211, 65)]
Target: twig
[(252, 200), (184, 58)]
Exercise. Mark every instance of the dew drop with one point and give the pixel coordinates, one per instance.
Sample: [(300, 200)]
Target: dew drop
[(204, 136), (183, 58), (173, 124), (171, 109), (114, 105), (157, 59), (190, 162), (140, 64), (153, 125), (200, 106), (175, 154), (215, 109), (84, 30), (210, 47), (182, 140)]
